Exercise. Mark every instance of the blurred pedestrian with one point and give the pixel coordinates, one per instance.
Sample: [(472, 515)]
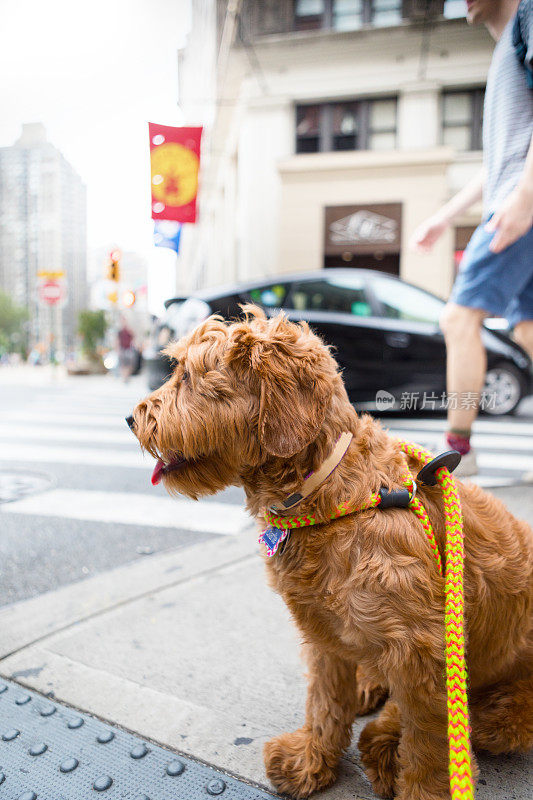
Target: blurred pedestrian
[(496, 274), (126, 351)]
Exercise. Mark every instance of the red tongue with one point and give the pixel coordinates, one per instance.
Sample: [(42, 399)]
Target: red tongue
[(158, 471)]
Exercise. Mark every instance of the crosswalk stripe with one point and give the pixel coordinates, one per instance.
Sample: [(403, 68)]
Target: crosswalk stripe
[(30, 454), (88, 419), (134, 509), (122, 435), (67, 434), (504, 449), (510, 428), (479, 440), (505, 461), (491, 481)]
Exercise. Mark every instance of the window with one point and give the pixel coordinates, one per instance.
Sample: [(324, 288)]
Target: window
[(345, 15), (272, 296), (454, 9), (382, 125), (386, 12), (401, 301), (308, 129), (354, 125), (309, 14), (345, 125), (462, 118), (343, 295)]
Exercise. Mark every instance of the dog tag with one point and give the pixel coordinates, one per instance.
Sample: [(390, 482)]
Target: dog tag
[(272, 538)]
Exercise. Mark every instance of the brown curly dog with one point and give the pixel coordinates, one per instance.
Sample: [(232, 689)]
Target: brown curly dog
[(260, 403)]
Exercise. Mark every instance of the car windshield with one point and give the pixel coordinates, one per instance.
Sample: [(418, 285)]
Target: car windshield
[(402, 301)]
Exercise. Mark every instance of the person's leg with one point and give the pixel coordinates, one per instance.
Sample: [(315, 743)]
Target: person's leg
[(465, 369), (487, 283), (523, 334)]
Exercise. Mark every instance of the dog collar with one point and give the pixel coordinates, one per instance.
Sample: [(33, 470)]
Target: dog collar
[(278, 528), (314, 479)]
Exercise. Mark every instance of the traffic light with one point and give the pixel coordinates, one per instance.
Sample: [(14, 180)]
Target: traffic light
[(113, 267), (128, 298)]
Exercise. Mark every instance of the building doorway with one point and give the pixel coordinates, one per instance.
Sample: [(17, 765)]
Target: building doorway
[(367, 237), (389, 262)]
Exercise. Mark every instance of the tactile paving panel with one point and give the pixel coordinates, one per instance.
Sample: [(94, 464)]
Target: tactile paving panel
[(51, 752)]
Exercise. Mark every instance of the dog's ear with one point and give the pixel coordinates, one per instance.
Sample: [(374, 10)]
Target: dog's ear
[(292, 372)]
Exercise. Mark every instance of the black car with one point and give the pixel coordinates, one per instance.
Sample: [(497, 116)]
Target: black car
[(385, 333)]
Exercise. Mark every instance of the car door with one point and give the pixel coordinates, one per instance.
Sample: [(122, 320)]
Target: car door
[(414, 348), (339, 310)]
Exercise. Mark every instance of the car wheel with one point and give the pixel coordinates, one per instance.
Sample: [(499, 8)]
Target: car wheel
[(504, 388)]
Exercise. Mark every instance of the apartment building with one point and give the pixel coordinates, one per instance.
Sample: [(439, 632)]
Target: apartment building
[(43, 220), (332, 128)]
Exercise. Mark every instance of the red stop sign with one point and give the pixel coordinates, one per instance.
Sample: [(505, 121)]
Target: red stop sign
[(51, 292)]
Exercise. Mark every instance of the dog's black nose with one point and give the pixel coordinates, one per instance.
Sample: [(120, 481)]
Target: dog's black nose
[(131, 422)]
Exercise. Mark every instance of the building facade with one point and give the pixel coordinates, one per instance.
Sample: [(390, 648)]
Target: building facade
[(332, 129), (42, 229)]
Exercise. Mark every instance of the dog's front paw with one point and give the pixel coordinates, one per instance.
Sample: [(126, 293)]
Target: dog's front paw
[(297, 766)]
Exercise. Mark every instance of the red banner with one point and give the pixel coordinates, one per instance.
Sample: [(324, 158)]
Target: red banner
[(174, 161)]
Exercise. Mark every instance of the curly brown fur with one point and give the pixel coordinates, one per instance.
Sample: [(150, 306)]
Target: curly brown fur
[(370, 695), (378, 744), (259, 403)]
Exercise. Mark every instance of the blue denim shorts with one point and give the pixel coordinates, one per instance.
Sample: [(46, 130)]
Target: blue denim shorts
[(499, 283)]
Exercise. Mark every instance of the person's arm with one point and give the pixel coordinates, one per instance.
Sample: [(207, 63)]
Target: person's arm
[(432, 228), (515, 218)]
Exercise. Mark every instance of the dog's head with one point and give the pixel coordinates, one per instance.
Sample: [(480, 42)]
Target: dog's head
[(240, 394)]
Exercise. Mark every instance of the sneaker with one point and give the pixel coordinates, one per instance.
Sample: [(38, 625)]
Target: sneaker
[(467, 465)]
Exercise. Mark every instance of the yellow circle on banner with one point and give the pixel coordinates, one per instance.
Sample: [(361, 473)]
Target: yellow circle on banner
[(178, 168)]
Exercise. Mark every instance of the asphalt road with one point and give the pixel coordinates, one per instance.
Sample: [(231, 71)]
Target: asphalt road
[(75, 491), (69, 435)]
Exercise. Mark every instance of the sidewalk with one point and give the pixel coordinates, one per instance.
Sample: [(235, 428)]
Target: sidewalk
[(192, 650)]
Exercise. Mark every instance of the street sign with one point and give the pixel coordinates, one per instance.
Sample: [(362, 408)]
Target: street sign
[(50, 292)]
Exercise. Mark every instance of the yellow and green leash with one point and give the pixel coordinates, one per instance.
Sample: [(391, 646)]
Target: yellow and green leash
[(460, 761)]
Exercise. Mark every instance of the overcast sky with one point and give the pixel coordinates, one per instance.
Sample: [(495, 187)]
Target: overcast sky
[(94, 73)]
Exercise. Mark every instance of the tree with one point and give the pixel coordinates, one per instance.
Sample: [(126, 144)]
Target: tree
[(92, 326), (13, 332)]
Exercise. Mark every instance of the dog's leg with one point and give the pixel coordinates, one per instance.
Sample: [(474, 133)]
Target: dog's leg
[(419, 689), (423, 747), (302, 762), (408, 619), (502, 717), (378, 744)]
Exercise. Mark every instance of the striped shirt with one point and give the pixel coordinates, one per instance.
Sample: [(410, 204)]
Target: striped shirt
[(508, 114)]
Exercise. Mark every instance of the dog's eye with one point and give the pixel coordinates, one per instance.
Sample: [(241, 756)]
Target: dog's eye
[(185, 375)]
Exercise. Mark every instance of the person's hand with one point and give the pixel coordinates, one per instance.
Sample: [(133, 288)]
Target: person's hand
[(427, 233), (512, 221)]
